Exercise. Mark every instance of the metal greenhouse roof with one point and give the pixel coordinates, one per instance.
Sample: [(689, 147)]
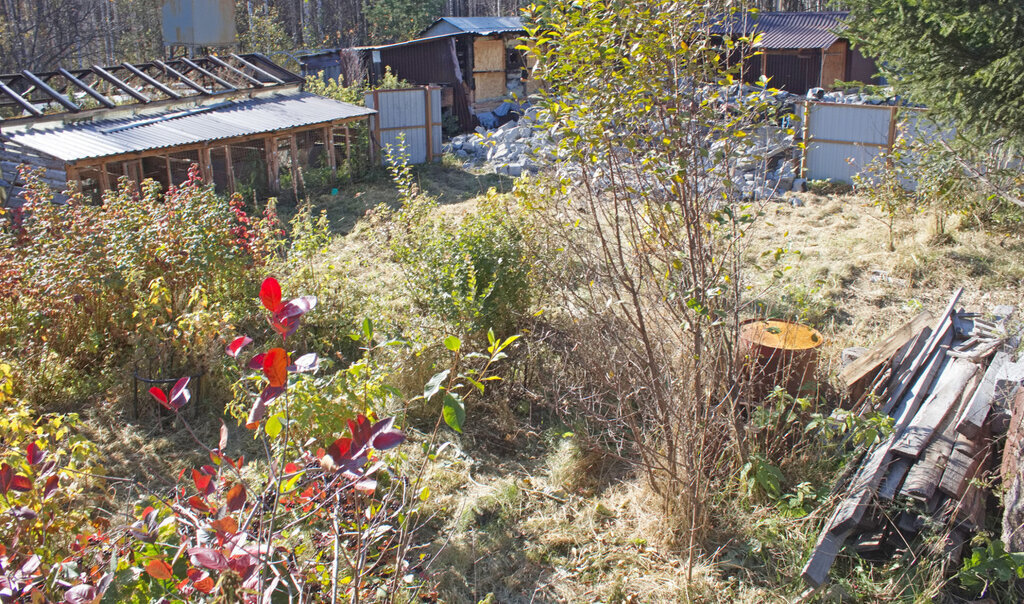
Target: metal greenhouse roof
[(481, 26), (783, 30), (75, 90), (181, 126)]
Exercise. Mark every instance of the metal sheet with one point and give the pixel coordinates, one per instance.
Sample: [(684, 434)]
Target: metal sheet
[(72, 142), (198, 22), (404, 112), (853, 123), (481, 26), (785, 30)]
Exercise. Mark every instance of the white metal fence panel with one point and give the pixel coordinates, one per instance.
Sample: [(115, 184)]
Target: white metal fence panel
[(414, 112), (841, 140)]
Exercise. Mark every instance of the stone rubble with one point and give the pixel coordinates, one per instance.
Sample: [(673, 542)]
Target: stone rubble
[(765, 169)]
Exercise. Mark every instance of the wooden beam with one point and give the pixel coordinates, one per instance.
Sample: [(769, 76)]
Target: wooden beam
[(170, 175), (86, 88), (329, 144), (869, 362), (145, 77), (429, 118), (104, 178), (230, 169), (269, 76), (227, 85), (234, 70), (182, 77), (116, 81), (974, 414), (41, 85), (294, 150), (205, 165), (953, 382)]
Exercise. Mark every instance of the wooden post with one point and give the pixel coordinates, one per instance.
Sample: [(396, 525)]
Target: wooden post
[(329, 143), (295, 167), (170, 175), (104, 179), (270, 144), (348, 145), (429, 124), (764, 63), (205, 164), (230, 168), (375, 139)]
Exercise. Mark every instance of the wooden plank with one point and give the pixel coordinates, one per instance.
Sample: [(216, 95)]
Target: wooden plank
[(893, 343), (898, 470), (259, 71), (815, 572), (946, 391), (975, 412), (914, 392), (909, 353), (923, 479), (943, 326), (964, 461), (332, 159)]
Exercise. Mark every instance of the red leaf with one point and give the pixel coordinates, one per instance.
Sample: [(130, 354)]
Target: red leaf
[(51, 486), (158, 569), (22, 483), (203, 482), (226, 524), (285, 326), (257, 361), (259, 409), (198, 504), (236, 497), (295, 308), (6, 475), (387, 440), (275, 367), (180, 394), (270, 294), (33, 454), (223, 436), (291, 468), (159, 395), (237, 345), (207, 558), (201, 580)]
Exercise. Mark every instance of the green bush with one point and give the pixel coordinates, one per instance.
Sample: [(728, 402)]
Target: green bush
[(472, 275)]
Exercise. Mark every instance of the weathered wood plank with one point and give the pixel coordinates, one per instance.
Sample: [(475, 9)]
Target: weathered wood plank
[(898, 470), (815, 572), (946, 391), (1013, 479), (870, 361), (963, 463), (924, 477), (973, 416)]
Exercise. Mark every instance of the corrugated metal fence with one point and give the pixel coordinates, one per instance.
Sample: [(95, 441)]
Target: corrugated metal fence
[(414, 112), (841, 140)]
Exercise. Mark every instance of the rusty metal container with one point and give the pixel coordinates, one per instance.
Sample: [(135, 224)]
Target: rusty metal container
[(780, 353)]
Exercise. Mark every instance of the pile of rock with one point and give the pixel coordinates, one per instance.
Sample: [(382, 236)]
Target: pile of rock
[(514, 148)]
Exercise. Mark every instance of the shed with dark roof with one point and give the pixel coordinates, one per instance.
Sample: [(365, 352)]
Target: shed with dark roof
[(800, 50)]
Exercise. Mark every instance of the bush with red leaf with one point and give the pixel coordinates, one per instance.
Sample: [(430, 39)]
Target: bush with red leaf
[(93, 282)]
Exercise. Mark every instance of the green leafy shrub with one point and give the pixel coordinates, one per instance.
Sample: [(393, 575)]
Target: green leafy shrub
[(147, 272)]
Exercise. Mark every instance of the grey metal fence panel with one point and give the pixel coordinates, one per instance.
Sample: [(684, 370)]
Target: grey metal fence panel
[(405, 111)]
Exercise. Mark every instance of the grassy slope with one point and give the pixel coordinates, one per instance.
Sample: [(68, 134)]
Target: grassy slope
[(522, 513)]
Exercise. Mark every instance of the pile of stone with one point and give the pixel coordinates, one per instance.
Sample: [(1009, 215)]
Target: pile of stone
[(513, 149)]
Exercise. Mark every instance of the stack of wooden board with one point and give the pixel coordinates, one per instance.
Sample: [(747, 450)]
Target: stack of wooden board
[(946, 382)]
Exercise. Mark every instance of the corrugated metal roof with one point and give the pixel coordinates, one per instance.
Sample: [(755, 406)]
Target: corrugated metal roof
[(179, 127), (483, 26), (782, 30)]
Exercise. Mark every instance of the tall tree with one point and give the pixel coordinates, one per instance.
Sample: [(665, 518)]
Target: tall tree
[(962, 58)]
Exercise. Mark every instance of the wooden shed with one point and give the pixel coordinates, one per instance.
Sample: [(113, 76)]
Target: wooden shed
[(473, 59), (243, 119), (800, 50)]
